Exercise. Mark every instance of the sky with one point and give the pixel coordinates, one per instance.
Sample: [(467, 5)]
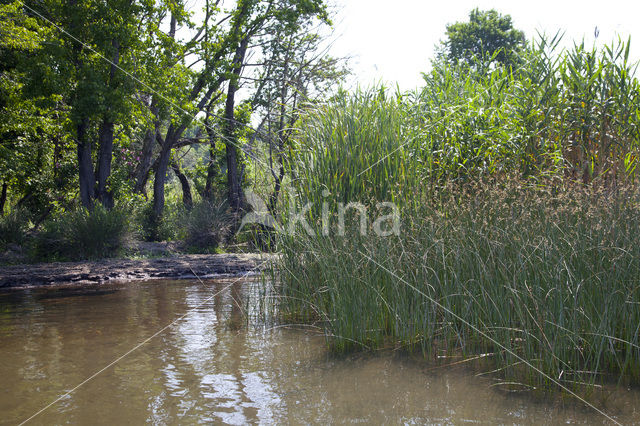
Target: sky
[(392, 41)]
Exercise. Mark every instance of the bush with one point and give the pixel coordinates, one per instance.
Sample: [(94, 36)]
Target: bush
[(13, 228), (83, 234), (168, 227), (208, 224)]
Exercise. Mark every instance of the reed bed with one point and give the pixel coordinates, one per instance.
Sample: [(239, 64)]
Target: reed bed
[(552, 278), (520, 233)]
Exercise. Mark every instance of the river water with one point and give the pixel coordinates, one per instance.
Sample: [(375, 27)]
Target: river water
[(212, 365)]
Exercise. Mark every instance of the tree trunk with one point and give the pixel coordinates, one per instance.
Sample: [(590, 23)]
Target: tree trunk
[(86, 177), (233, 181), (231, 142), (144, 166), (174, 133), (161, 174), (103, 169), (105, 151), (273, 199), (3, 197), (85, 169), (212, 171), (57, 162), (187, 199)]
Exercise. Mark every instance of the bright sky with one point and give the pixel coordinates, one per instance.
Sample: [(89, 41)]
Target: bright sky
[(393, 40)]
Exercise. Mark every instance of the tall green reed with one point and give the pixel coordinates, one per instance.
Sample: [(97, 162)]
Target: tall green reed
[(359, 147), (553, 278), (573, 113)]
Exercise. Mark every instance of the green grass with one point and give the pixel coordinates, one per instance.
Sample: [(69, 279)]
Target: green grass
[(553, 278)]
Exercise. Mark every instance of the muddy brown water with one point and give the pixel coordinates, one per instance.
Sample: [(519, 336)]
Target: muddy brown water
[(209, 366)]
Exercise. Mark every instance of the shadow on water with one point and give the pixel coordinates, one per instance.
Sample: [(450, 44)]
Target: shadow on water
[(73, 292)]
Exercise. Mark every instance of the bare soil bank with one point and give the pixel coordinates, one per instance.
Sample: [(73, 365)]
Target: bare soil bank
[(96, 272)]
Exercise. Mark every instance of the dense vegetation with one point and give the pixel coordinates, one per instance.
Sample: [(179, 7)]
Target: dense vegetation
[(156, 111), (514, 171), (517, 187)]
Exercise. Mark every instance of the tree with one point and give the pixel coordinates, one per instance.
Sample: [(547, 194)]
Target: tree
[(31, 145), (297, 74), (78, 64), (292, 15), (488, 36), (134, 74), (220, 46)]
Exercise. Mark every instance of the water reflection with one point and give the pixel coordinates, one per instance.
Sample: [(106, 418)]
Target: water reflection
[(209, 367)]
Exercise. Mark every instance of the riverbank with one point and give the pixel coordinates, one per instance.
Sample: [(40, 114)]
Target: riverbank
[(175, 266)]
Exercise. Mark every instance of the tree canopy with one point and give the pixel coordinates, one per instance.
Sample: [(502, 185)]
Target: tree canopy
[(98, 99), (487, 36)]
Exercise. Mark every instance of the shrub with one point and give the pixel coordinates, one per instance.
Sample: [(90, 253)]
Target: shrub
[(83, 234), (168, 227), (208, 224), (13, 228)]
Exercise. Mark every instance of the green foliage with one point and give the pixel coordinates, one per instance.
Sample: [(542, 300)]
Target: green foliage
[(168, 227), (18, 32), (83, 234), (33, 151), (64, 106), (488, 36), (197, 173)]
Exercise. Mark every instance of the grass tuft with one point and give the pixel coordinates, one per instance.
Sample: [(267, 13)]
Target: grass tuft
[(83, 234)]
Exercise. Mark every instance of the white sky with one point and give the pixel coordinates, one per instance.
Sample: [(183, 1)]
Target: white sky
[(392, 40)]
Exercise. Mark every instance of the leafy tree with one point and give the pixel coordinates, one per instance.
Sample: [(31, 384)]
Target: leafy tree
[(89, 96), (290, 14), (180, 90), (488, 36), (31, 145)]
